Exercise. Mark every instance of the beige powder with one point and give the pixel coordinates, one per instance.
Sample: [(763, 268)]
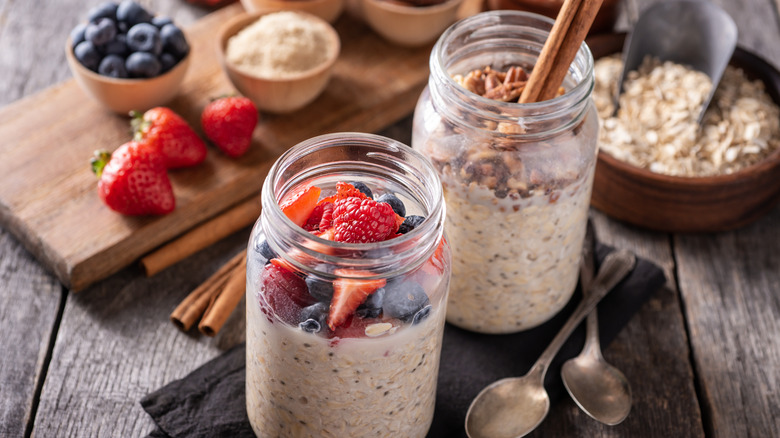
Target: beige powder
[(280, 44)]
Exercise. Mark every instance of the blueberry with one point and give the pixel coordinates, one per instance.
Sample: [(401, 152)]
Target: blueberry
[(113, 66), (321, 290), (167, 61), (422, 314), (265, 250), (77, 34), (103, 10), (363, 188), (173, 41), (132, 13), (87, 54), (122, 27), (142, 65), (397, 204), (117, 46), (372, 307), (404, 299), (144, 37), (411, 222), (100, 32), (161, 20), (313, 318)]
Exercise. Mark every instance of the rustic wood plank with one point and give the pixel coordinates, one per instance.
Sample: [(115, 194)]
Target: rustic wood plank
[(29, 304), (116, 344), (54, 209)]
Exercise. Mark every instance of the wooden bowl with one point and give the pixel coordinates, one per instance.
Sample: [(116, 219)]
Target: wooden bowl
[(272, 94), (409, 26), (125, 95), (688, 204), (328, 10)]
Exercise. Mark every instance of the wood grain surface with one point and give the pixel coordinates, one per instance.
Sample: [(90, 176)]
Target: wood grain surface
[(702, 356), (48, 195)]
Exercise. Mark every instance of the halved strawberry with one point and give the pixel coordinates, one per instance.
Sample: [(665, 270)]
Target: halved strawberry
[(349, 294), (347, 190), (299, 206), (313, 222)]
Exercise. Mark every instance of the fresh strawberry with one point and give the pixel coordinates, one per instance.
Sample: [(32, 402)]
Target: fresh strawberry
[(364, 220), (300, 204), (133, 180), (229, 122), (349, 294), (285, 292), (435, 265), (166, 131), (313, 222)]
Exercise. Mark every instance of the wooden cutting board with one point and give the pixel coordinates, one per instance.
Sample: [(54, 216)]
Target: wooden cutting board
[(48, 195)]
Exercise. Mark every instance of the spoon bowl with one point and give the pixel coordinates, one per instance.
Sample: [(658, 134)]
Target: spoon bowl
[(597, 387), (697, 34)]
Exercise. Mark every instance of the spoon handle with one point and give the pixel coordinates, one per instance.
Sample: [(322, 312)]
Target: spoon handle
[(614, 268)]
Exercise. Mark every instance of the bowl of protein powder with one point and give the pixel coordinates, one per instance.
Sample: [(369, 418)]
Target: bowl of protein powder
[(280, 60)]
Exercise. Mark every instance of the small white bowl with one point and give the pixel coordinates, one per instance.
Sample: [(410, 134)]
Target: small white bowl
[(125, 95), (409, 25), (278, 95), (328, 10)]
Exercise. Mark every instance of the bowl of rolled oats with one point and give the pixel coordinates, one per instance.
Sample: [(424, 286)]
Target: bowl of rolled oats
[(660, 169)]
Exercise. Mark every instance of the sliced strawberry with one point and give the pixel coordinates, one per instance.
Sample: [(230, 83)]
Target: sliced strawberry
[(349, 294), (347, 190), (285, 292), (435, 264), (299, 206), (313, 222), (327, 200), (398, 221)]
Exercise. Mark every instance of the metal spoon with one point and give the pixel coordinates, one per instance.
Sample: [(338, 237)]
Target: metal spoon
[(513, 407), (694, 33), (597, 387)]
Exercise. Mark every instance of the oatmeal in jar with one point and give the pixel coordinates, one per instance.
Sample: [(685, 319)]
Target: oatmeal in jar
[(347, 281), (517, 178)]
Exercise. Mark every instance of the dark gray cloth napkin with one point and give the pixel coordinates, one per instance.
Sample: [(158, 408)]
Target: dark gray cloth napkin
[(210, 402)]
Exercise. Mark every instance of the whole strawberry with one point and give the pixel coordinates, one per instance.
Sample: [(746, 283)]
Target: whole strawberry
[(133, 180), (167, 132), (229, 122)]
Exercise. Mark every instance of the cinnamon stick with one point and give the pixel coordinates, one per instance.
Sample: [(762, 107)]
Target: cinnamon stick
[(220, 309), (567, 34), (202, 236), (192, 308)]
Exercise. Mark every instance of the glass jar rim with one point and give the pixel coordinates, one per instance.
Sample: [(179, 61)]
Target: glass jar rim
[(510, 111), (416, 244)]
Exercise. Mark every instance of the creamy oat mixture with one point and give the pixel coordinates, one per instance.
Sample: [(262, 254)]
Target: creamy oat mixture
[(515, 261), (656, 126), (280, 44), (300, 384)]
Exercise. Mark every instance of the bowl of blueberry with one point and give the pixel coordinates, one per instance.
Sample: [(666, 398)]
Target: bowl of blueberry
[(126, 58)]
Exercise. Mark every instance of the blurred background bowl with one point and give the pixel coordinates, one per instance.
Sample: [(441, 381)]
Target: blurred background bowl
[(277, 95), (688, 204), (604, 21), (125, 95), (409, 25), (328, 10)]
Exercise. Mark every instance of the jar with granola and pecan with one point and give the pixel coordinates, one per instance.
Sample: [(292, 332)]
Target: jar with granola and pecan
[(517, 177)]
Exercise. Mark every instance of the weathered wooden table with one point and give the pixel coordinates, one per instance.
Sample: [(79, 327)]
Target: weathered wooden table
[(703, 356)]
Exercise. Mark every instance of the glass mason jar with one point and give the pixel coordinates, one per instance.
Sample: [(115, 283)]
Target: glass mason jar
[(517, 177), (375, 375)]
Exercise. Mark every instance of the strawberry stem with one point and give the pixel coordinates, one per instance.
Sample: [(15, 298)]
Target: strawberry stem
[(138, 125), (99, 161)]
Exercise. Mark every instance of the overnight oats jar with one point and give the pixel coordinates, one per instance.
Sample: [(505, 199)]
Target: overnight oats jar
[(517, 177), (347, 282)]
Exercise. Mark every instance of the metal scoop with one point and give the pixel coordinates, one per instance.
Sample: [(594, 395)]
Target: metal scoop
[(698, 34)]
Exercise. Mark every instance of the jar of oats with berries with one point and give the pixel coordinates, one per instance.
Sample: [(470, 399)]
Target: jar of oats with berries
[(517, 177)]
